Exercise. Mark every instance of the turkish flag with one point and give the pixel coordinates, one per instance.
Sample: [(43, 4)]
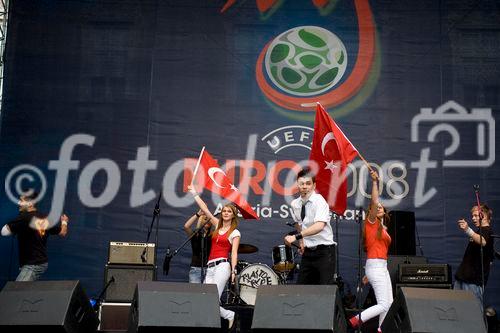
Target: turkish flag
[(330, 153), (214, 179)]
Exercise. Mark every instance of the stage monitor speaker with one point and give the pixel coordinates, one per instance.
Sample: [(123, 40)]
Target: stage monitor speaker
[(125, 279), (401, 228), (298, 308), (425, 310), (182, 307), (46, 306)]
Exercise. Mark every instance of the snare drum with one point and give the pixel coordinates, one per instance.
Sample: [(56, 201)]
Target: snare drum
[(253, 276), (282, 258)]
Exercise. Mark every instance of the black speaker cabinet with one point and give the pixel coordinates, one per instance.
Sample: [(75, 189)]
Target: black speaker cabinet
[(182, 307), (425, 310), (401, 228), (298, 308), (46, 306), (393, 263), (125, 279)]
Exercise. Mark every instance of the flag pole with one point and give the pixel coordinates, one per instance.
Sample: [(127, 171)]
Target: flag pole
[(197, 166), (366, 162)]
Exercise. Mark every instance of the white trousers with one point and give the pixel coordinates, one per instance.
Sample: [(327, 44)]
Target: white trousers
[(378, 276), (219, 275)]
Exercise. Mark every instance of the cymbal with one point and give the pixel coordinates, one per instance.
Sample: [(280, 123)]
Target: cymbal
[(247, 248)]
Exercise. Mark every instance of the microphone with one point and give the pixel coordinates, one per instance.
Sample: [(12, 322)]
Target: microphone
[(166, 262), (476, 187)]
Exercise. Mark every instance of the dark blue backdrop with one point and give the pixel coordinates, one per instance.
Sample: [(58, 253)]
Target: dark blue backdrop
[(160, 79)]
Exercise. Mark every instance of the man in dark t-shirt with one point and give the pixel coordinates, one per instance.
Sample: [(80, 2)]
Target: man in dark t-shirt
[(32, 230), (468, 275)]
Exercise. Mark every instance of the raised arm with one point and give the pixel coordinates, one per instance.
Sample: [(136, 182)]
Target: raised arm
[(64, 225), (190, 221), (203, 206), (372, 214), (464, 225)]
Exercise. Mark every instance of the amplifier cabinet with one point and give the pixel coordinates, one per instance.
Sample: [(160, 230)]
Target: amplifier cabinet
[(425, 285), (131, 253), (425, 273), (123, 280)]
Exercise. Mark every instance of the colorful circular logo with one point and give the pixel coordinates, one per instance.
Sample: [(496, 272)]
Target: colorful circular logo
[(305, 61), (308, 64)]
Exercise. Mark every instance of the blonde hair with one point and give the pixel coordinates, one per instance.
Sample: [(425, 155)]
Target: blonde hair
[(234, 220), (486, 211)]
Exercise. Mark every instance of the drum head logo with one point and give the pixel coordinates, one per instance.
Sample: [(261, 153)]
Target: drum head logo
[(306, 61)]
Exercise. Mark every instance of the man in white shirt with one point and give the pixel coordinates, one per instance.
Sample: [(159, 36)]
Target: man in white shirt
[(314, 233)]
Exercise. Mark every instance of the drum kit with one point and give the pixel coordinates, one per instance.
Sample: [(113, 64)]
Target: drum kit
[(250, 276)]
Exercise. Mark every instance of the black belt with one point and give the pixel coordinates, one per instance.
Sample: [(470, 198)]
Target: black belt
[(319, 247), (215, 263)]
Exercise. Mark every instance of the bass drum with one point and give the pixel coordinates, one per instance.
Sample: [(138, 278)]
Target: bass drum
[(253, 276)]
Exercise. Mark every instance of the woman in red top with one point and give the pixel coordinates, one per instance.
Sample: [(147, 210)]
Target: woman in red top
[(376, 242), (225, 240)]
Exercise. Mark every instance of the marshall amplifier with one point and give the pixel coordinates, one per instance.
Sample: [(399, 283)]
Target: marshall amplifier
[(424, 273), (131, 253)]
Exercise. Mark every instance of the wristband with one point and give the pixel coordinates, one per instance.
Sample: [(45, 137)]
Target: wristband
[(197, 215), (298, 236), (469, 232), (64, 223)]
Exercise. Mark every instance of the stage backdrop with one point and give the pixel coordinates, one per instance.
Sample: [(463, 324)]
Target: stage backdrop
[(107, 103)]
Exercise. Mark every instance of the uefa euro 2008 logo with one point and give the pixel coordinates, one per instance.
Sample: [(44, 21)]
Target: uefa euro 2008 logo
[(306, 61)]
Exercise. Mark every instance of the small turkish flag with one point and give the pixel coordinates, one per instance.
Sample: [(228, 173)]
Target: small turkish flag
[(214, 179)]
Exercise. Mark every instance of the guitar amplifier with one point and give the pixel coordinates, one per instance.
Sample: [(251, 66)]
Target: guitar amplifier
[(424, 273), (131, 253)]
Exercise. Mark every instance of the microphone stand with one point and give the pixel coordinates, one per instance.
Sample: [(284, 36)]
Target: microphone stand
[(169, 255), (156, 217), (418, 239), (358, 290), (204, 245), (100, 298), (480, 211), (338, 278)]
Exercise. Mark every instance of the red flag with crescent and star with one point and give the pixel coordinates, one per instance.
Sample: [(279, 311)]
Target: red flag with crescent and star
[(330, 153), (213, 178)]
